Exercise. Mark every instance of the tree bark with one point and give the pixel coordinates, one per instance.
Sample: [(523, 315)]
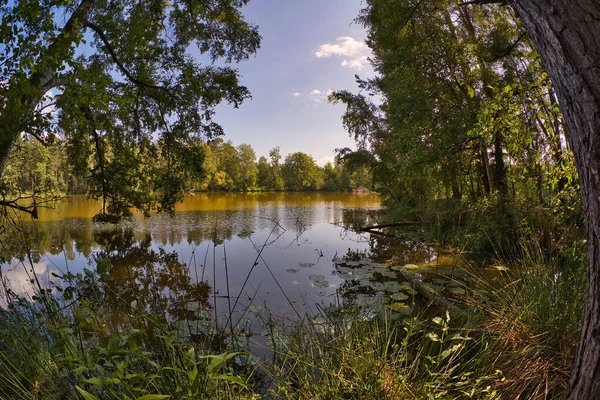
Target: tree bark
[(566, 33)]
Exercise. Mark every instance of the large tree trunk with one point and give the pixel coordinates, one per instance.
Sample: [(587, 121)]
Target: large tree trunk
[(567, 35)]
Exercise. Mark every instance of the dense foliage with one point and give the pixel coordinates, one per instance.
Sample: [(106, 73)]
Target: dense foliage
[(122, 84), (461, 115), (35, 169)]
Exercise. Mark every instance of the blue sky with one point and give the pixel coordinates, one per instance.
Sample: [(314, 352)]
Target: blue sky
[(309, 47)]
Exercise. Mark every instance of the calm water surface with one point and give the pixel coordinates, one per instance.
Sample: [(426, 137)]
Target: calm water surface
[(266, 250)]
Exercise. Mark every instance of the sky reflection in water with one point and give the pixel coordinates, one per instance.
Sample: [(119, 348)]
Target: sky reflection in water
[(263, 247)]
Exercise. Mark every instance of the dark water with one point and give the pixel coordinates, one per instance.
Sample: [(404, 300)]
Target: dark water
[(262, 250)]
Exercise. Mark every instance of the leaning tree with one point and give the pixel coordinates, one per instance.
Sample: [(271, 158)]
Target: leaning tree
[(130, 86)]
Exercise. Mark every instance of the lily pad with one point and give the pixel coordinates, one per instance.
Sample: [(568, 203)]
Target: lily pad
[(321, 294), (371, 302), (434, 288), (411, 267), (346, 277), (321, 284), (392, 286), (399, 296), (316, 278), (306, 264), (399, 306), (292, 270)]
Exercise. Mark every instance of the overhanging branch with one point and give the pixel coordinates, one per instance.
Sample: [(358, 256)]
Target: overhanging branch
[(116, 60), (31, 210)]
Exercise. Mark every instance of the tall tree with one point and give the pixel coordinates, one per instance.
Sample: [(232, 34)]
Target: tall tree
[(565, 34), (300, 172), (122, 73), (248, 168)]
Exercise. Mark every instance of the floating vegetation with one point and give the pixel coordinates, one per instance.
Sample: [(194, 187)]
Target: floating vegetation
[(499, 268), (392, 286), (292, 270), (399, 296), (316, 278), (400, 307), (410, 267), (457, 290), (306, 264)]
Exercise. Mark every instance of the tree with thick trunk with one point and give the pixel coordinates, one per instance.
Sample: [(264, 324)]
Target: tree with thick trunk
[(566, 33)]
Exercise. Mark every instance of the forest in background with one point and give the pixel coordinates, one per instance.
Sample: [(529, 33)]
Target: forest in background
[(216, 165)]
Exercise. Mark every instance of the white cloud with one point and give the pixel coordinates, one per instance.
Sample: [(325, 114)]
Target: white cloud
[(316, 96), (319, 96), (322, 161), (355, 53), (357, 64), (346, 47)]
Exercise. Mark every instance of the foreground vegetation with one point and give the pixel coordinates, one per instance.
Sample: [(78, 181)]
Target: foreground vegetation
[(114, 332)]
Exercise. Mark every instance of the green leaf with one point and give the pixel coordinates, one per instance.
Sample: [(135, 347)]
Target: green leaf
[(86, 395), (232, 379), (102, 381), (103, 266), (411, 267), (153, 397), (456, 290), (399, 296)]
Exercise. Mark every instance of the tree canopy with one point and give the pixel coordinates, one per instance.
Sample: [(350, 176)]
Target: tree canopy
[(121, 82)]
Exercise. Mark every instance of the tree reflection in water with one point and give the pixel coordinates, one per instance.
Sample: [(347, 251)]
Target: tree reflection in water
[(135, 272)]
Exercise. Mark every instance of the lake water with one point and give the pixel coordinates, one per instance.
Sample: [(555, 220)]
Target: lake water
[(226, 260), (273, 250)]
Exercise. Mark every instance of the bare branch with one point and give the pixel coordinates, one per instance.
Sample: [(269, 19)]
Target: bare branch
[(31, 210)]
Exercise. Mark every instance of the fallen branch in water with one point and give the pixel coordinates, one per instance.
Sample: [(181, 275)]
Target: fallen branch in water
[(395, 224)]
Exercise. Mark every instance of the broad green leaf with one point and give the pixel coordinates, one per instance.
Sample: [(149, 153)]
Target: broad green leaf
[(102, 381), (86, 395)]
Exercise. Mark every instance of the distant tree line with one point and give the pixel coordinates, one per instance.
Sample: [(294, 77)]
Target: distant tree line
[(216, 165)]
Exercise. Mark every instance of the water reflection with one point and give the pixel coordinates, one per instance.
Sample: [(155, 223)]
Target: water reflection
[(252, 248), (155, 279)]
